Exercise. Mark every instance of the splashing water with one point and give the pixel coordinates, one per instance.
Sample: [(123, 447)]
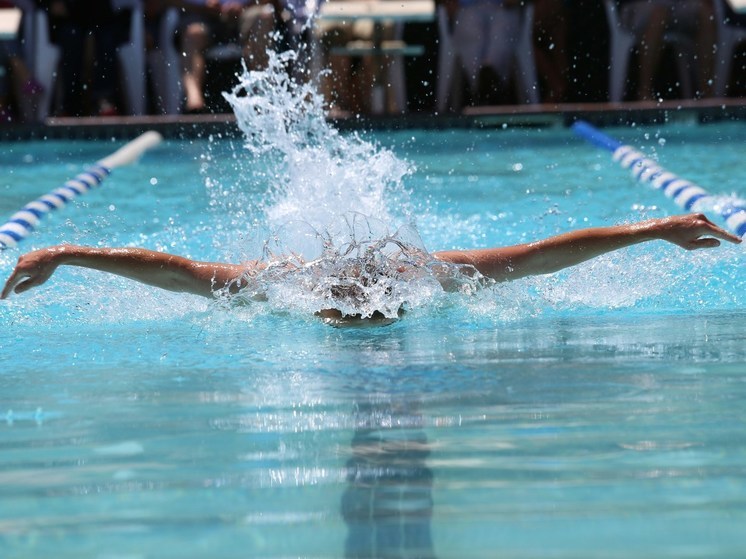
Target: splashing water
[(361, 270), (328, 208), (318, 174)]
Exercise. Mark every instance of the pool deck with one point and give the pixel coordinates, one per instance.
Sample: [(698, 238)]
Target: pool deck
[(542, 115)]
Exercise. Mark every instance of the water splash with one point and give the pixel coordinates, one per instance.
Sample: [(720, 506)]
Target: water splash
[(316, 174), (360, 269), (334, 240)]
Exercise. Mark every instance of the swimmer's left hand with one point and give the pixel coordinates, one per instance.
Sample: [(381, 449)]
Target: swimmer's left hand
[(691, 231)]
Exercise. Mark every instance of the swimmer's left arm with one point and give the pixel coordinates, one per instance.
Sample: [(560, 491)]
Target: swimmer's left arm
[(166, 271), (691, 231)]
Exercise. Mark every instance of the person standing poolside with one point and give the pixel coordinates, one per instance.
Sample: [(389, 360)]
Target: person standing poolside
[(650, 20), (206, 23), (72, 24), (21, 91), (176, 273), (485, 35)]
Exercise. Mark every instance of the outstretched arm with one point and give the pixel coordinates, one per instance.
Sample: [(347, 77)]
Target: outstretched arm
[(159, 269), (690, 231)]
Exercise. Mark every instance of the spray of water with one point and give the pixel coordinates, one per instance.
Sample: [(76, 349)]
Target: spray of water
[(317, 173), (334, 240)]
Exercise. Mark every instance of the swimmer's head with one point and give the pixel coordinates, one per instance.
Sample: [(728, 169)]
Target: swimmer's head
[(372, 279), (361, 288), (336, 318)]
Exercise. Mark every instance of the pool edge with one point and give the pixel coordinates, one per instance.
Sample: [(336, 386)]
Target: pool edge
[(542, 115)]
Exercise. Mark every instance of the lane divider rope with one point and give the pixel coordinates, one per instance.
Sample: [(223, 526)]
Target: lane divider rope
[(683, 192), (24, 221)]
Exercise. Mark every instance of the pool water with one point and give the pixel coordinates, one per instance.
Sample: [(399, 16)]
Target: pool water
[(597, 412)]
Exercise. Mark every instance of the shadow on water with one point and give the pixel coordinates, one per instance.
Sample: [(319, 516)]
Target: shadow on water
[(388, 503)]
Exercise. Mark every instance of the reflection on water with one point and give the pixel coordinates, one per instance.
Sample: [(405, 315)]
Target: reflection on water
[(388, 501)]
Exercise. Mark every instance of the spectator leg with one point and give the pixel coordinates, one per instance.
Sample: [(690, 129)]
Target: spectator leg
[(257, 27), (74, 39), (550, 29), (469, 41), (105, 69), (650, 50), (706, 46), (194, 43), (502, 40)]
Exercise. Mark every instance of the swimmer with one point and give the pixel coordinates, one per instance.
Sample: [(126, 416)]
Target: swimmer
[(176, 273)]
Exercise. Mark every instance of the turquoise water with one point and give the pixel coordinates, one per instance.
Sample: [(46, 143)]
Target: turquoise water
[(597, 412)]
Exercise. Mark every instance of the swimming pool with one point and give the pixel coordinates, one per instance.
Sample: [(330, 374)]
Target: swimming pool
[(594, 412)]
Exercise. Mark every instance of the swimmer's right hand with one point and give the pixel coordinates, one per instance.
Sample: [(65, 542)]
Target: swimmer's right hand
[(33, 269)]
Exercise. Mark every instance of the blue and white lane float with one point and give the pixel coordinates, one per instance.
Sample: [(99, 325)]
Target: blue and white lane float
[(683, 192), (23, 222)]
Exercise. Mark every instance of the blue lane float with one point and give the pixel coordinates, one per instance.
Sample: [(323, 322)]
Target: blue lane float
[(23, 222), (683, 192)]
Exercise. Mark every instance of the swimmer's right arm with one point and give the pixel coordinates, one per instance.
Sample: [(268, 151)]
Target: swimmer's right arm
[(163, 270)]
